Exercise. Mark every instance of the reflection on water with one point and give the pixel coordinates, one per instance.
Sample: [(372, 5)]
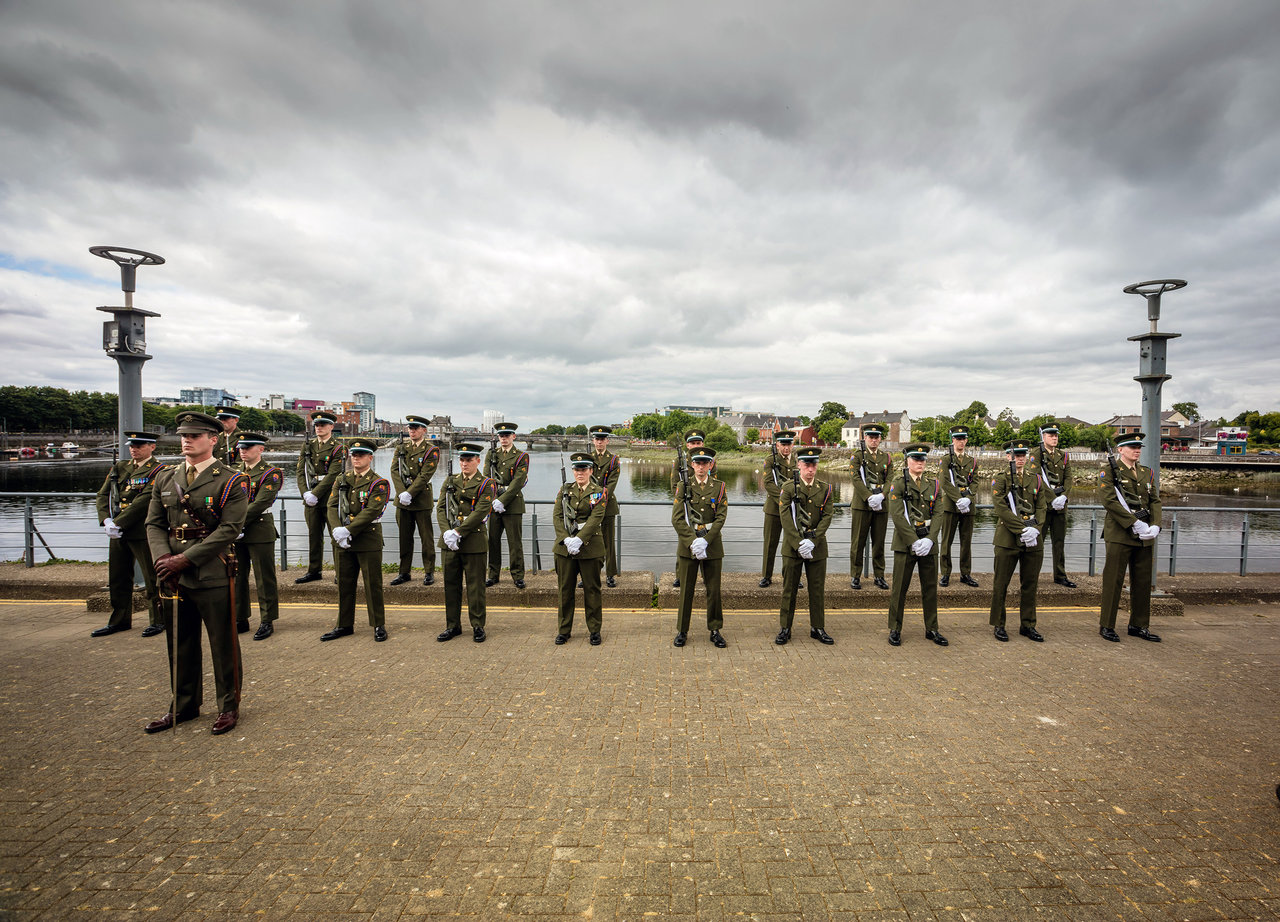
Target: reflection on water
[(1207, 541)]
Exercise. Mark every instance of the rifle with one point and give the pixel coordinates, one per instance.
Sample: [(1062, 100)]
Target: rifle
[(773, 456), (805, 532), (951, 471), (862, 465), (1141, 514), (344, 492), (450, 490), (402, 463), (113, 495), (692, 519), (567, 513), (1057, 488)]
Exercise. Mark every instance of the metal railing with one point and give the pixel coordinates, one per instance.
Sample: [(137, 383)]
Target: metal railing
[(654, 540)]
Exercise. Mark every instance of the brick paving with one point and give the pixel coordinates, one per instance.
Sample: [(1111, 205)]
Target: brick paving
[(409, 780)]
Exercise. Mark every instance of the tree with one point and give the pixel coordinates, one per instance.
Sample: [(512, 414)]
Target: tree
[(1189, 409), (830, 411), (722, 438), (1003, 432), (1096, 438), (647, 426), (1031, 428), (753, 435), (580, 429), (829, 431), (676, 423), (977, 410)]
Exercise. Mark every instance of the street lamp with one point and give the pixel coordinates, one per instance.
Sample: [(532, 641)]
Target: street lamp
[(1151, 365), (125, 337)]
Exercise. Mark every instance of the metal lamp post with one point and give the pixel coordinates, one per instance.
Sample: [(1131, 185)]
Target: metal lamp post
[(1151, 365), (125, 337)]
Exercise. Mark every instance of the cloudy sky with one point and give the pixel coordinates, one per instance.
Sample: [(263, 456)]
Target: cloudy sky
[(572, 212)]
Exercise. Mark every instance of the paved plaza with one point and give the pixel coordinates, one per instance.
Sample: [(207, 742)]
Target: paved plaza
[(1074, 779)]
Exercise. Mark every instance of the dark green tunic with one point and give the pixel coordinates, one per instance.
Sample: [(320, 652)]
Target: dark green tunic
[(707, 509), (872, 471), (123, 498), (958, 476), (510, 472), (257, 547), (200, 519), (412, 467), (319, 464), (805, 512), (1125, 550), (912, 505), (579, 512), (1020, 501), (464, 505), (357, 501)]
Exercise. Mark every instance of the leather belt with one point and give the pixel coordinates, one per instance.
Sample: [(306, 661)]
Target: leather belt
[(188, 532)]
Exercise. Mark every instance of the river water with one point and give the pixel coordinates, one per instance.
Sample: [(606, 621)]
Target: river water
[(1208, 540)]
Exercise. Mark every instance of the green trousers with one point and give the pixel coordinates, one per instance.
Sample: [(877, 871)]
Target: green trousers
[(568, 571), (317, 532), (903, 563), (1028, 561), (456, 566), (1139, 561), (772, 535), (409, 521), (953, 522), (816, 572), (1055, 532), (607, 528), (212, 609), (262, 556), (687, 569), (351, 565), (510, 523), (121, 555), (873, 525)]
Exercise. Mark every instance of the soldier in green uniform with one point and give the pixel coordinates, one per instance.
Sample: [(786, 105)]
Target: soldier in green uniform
[(1021, 503), (319, 464), (1132, 501), (257, 542), (693, 440), (579, 518), (122, 512), (606, 474), (872, 471), (958, 475), (356, 503), (805, 504), (913, 500), (778, 470), (698, 516), (1054, 467), (197, 508), (509, 468), (462, 511), (412, 468), (228, 439)]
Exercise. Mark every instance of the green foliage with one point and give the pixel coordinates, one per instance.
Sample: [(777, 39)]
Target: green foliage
[(1030, 429), (753, 434), (549, 429), (36, 409), (722, 438), (830, 411), (1189, 409), (1002, 433), (830, 430), (648, 426), (580, 429), (1095, 438), (1264, 428)]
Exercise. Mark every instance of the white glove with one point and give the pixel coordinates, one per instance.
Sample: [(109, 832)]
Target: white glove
[(240, 536), (342, 535), (1139, 529), (498, 507), (573, 544), (1152, 532), (113, 530), (452, 539), (1030, 535), (310, 498), (699, 548), (404, 498), (876, 501), (922, 547), (1059, 503), (964, 504), (806, 549)]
